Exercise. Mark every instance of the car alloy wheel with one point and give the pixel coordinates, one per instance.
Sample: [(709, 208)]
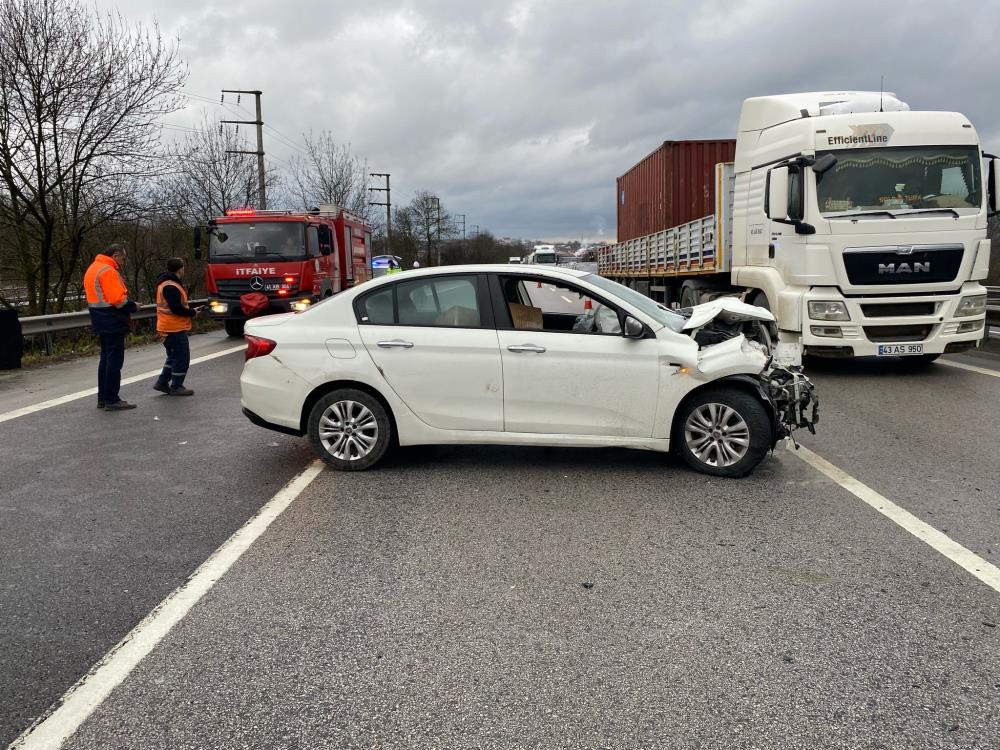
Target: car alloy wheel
[(717, 435), (348, 430)]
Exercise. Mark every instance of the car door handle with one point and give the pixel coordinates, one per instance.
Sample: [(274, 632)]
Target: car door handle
[(396, 344), (527, 348)]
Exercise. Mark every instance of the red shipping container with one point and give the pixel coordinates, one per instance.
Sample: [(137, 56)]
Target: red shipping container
[(673, 185)]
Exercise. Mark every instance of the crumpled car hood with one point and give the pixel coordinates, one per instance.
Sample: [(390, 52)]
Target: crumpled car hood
[(728, 309)]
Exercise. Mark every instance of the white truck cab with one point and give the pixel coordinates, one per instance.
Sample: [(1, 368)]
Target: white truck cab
[(861, 224)]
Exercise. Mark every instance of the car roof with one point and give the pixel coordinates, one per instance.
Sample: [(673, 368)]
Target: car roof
[(507, 268)]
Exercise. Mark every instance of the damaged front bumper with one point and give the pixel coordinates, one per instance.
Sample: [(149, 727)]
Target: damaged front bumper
[(793, 399)]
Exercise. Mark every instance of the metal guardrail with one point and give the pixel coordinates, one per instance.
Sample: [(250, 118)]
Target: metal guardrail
[(36, 324)]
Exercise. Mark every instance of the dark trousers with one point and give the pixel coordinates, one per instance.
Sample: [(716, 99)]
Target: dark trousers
[(109, 369), (178, 359)]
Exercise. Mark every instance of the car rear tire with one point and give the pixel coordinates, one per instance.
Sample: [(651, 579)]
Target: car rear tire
[(234, 328), (350, 430), (724, 432)]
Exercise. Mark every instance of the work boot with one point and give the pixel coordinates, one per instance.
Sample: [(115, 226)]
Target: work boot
[(180, 390), (100, 404), (119, 406), (161, 387)]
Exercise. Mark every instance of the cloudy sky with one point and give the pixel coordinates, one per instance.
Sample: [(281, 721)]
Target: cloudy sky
[(520, 114)]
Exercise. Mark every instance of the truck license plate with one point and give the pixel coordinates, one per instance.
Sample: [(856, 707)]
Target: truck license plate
[(899, 350)]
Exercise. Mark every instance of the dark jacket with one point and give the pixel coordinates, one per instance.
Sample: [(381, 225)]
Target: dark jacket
[(172, 296)]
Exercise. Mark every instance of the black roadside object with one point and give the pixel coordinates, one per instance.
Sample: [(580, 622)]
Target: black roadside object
[(11, 340)]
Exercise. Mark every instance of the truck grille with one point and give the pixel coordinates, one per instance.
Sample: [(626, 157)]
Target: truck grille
[(902, 265), (233, 287), (898, 309), (895, 334)]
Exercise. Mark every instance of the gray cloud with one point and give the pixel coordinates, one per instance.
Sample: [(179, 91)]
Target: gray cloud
[(521, 114)]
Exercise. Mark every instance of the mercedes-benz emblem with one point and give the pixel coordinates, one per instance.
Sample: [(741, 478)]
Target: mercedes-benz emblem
[(256, 283)]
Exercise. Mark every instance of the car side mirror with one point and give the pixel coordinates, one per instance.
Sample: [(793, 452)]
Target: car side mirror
[(634, 329), (776, 205)]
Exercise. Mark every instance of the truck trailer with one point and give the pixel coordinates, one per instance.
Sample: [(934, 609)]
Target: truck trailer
[(859, 223)]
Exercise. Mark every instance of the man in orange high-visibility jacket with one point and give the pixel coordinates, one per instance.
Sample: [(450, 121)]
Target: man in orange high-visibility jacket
[(173, 321), (110, 311)]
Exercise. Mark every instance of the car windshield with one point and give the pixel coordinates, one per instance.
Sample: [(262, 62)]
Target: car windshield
[(653, 309), (254, 240), (905, 179)]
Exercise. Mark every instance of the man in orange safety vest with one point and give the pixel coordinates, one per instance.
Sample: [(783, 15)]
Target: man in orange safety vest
[(110, 316), (173, 321)]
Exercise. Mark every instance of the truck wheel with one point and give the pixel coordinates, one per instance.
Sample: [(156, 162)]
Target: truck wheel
[(688, 296), (760, 300), (350, 430), (234, 328), (724, 432)]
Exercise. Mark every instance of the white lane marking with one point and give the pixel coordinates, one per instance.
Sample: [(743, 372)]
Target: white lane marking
[(41, 406), (970, 368), (79, 702), (939, 541), (566, 299)]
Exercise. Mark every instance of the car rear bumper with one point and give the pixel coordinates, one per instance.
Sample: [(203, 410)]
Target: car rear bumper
[(261, 422)]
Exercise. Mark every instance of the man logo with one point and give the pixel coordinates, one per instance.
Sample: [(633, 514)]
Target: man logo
[(915, 267)]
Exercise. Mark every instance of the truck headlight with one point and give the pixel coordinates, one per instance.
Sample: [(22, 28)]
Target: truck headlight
[(971, 306), (822, 310), (302, 304), (218, 307)]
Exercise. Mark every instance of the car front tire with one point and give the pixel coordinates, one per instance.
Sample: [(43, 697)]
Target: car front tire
[(723, 432), (350, 429)]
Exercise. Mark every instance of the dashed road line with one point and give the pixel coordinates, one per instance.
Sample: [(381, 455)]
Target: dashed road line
[(41, 406), (939, 541), (79, 702)]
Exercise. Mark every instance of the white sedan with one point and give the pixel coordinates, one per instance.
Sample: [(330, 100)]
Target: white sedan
[(522, 355)]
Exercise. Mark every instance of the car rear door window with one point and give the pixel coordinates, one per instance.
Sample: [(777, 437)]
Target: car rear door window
[(444, 301), (377, 308)]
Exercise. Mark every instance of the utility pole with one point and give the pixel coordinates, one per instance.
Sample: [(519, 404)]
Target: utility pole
[(262, 196), (388, 207), (463, 225), (438, 226)]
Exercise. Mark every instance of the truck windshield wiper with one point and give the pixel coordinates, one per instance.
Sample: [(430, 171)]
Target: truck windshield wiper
[(913, 211), (890, 214)]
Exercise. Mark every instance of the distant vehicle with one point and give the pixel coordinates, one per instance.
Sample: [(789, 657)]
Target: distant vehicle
[(483, 354), (542, 255), (861, 224), (514, 259), (262, 262), (383, 265)]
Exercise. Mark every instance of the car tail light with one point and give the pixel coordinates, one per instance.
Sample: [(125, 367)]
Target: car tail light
[(258, 347)]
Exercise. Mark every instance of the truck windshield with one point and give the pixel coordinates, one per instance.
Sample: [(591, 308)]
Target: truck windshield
[(907, 179), (250, 241), (544, 258)]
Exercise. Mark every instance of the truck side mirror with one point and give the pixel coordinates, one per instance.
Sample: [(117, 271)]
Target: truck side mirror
[(824, 163), (994, 186), (197, 243), (776, 196)]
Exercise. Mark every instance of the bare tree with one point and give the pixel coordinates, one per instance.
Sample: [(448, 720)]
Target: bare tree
[(80, 95), (330, 173), (207, 179), (432, 224)]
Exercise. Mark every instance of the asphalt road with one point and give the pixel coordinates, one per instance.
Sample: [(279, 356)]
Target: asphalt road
[(493, 597)]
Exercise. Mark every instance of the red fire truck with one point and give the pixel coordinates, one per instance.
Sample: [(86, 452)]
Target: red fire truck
[(264, 262)]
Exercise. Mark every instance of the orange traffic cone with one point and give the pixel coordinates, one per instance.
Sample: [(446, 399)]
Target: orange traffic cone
[(587, 304), (539, 285)]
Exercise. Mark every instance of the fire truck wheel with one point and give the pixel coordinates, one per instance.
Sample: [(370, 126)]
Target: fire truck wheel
[(350, 429), (234, 328)]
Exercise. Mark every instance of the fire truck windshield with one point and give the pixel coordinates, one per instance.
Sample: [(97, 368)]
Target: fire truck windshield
[(252, 240)]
